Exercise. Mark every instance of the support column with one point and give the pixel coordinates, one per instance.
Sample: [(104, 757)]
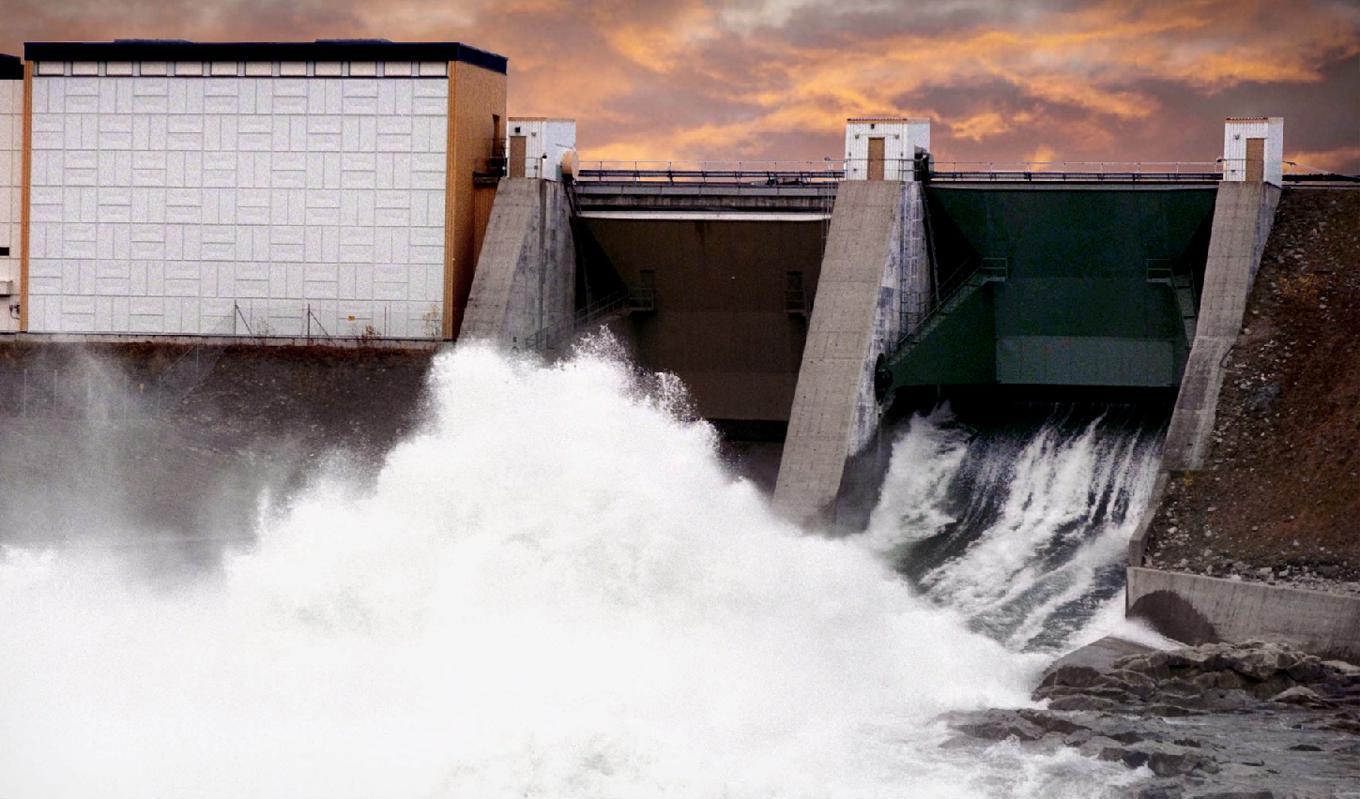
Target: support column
[(1243, 213), (855, 318)]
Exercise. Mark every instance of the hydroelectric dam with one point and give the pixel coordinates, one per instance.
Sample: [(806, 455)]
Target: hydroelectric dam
[(356, 193), (359, 438)]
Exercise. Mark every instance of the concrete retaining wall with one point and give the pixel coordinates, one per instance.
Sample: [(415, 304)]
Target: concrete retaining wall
[(526, 275), (856, 316), (1197, 609)]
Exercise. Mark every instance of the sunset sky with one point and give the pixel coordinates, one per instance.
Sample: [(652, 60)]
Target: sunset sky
[(775, 79)]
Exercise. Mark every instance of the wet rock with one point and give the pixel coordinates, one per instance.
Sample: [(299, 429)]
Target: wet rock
[(1162, 759), (1300, 695), (1082, 703), (998, 725), (1264, 662), (1265, 719)]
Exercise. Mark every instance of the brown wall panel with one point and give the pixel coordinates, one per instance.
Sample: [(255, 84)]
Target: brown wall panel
[(476, 102), (721, 323)]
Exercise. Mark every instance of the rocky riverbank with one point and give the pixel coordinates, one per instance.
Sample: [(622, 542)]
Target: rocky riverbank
[(1257, 720), (1280, 492)]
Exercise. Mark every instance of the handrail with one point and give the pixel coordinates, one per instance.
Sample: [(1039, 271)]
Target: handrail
[(545, 338), (992, 268), (777, 173)]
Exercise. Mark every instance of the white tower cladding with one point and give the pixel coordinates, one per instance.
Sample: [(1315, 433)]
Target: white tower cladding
[(884, 148), (541, 147), (11, 188), (1253, 149), (263, 189)]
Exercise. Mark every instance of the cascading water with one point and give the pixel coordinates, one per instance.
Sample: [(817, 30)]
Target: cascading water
[(1020, 526), (554, 590)]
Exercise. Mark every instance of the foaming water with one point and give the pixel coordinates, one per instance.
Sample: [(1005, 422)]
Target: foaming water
[(1019, 527), (554, 590)]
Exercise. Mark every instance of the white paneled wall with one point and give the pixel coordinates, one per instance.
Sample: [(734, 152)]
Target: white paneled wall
[(901, 139), (11, 182), (228, 205), (1236, 132)]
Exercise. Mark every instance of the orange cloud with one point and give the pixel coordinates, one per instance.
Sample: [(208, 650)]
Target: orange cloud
[(1337, 159), (980, 126), (776, 78)]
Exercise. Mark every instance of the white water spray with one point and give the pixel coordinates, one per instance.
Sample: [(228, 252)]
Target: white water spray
[(555, 590)]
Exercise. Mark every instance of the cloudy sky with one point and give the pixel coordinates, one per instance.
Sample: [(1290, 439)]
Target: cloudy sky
[(775, 79)]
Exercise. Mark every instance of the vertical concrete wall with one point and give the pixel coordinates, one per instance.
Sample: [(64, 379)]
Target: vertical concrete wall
[(11, 188), (916, 278), (856, 317), (163, 202), (524, 289), (1243, 213)]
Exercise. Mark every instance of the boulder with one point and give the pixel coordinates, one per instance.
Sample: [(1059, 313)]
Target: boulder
[(1300, 695)]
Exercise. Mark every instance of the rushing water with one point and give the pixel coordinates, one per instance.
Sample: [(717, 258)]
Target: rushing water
[(1021, 523), (555, 589)]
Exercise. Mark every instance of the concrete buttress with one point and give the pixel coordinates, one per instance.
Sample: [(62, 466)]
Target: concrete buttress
[(526, 274), (1243, 213), (855, 317)]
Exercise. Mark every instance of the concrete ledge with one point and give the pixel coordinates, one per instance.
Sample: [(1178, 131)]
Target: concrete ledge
[(320, 342), (1197, 609)]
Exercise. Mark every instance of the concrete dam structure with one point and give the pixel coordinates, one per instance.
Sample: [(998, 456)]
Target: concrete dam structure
[(804, 301), (798, 303)]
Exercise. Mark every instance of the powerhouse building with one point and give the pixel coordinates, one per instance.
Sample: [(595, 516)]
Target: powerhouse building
[(336, 188)]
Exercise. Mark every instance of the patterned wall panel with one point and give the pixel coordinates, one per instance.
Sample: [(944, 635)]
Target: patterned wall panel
[(11, 180), (230, 205)]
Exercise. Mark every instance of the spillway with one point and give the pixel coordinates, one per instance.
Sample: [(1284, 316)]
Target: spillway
[(1019, 519)]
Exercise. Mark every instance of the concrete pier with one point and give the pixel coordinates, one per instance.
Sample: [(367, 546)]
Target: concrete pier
[(856, 316), (524, 289), (1243, 212)]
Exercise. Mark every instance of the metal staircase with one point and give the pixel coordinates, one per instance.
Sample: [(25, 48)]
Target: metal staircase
[(987, 270)]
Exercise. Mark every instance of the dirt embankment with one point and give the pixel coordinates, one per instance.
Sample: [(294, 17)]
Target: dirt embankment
[(1279, 499), (153, 439)]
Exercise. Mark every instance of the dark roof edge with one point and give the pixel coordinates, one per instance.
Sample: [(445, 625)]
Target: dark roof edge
[(323, 50), (11, 68)]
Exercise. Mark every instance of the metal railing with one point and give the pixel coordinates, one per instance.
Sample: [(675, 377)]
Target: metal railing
[(972, 271), (108, 391), (726, 173), (550, 338), (1076, 171), (792, 173), (827, 173)]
